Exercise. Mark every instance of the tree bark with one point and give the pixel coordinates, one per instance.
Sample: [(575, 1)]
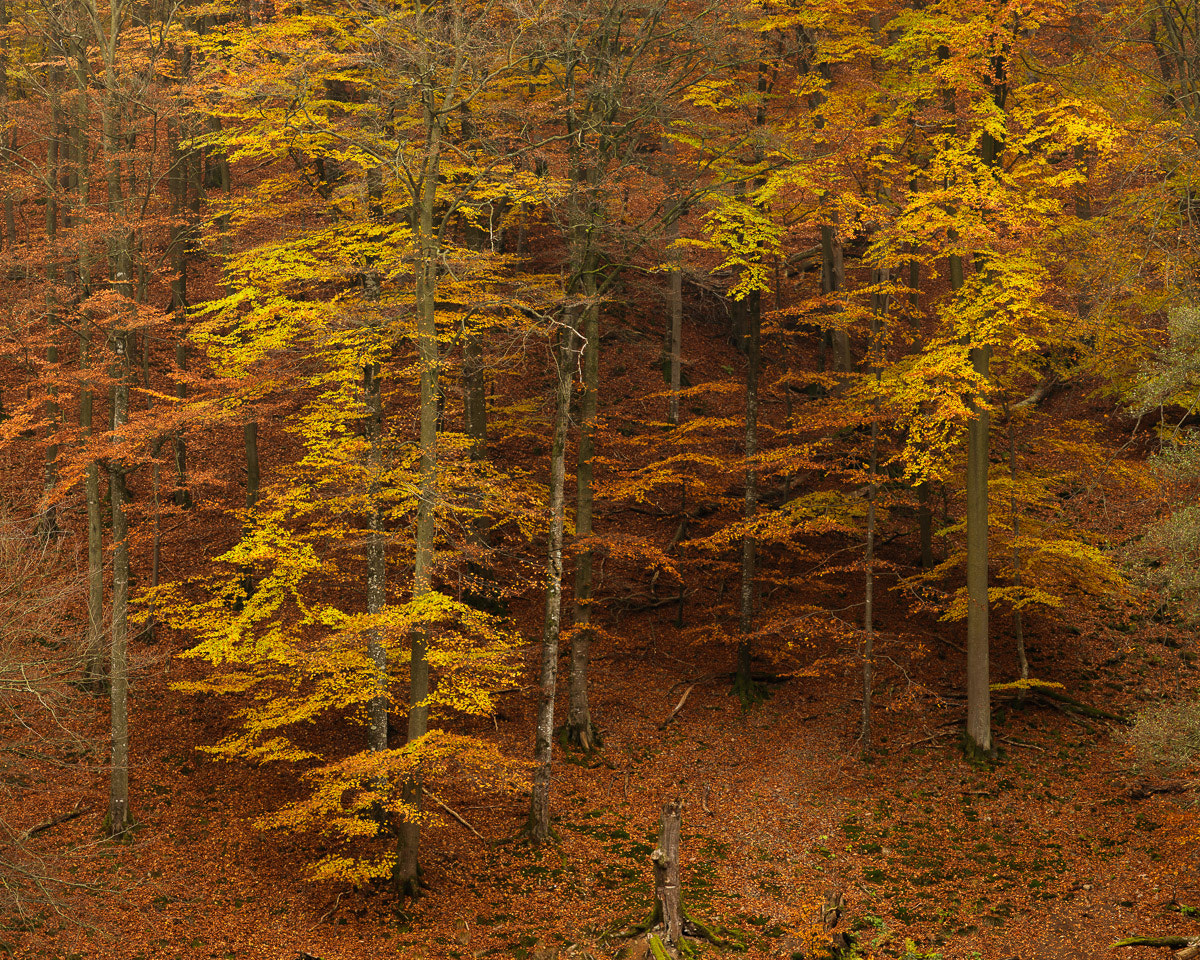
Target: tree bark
[(93, 669), (879, 307), (979, 711), (832, 280), (119, 817), (377, 707), (668, 898), (743, 683), (580, 729), (48, 521), (1017, 619), (676, 345), (407, 874), (182, 496), (543, 750)]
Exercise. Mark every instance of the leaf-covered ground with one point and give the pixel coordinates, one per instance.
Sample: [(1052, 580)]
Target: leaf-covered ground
[(1043, 855)]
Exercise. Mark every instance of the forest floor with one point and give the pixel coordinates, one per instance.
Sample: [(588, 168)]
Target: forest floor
[(1046, 854)]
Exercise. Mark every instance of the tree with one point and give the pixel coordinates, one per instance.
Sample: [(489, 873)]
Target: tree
[(352, 295)]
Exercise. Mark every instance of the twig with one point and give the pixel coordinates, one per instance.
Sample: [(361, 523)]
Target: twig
[(946, 729), (458, 818), (1022, 743)]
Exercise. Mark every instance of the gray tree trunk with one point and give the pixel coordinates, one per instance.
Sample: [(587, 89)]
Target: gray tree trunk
[(543, 750), (1017, 619), (48, 521), (743, 684), (182, 496), (832, 280), (119, 817), (879, 308), (377, 707), (93, 668), (676, 346), (580, 729), (979, 710), (406, 877)]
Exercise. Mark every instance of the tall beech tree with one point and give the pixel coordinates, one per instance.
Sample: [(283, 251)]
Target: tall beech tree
[(615, 77), (379, 260)]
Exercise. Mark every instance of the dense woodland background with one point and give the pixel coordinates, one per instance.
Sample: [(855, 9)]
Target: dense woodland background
[(437, 435)]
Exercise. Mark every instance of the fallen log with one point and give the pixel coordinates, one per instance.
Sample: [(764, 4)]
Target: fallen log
[(679, 706), (77, 811), (1186, 948)]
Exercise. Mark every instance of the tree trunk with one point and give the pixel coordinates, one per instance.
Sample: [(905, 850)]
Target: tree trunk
[(979, 712), (743, 684), (93, 668), (250, 446), (879, 307), (580, 729), (1017, 619), (676, 346), (119, 817), (925, 524), (377, 707), (182, 496), (543, 751), (832, 280), (406, 877), (48, 521)]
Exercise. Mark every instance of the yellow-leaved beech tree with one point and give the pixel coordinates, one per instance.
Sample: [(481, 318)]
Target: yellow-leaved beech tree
[(349, 321)]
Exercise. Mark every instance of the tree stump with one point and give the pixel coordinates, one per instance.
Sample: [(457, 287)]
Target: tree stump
[(668, 902), (669, 921)]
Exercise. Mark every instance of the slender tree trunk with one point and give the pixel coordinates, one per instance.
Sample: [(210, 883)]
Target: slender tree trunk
[(407, 874), (1017, 619), (10, 224), (377, 707), (543, 751), (119, 816), (250, 447), (180, 236), (474, 383), (743, 683), (676, 347), (879, 305), (832, 280), (979, 711), (93, 670), (925, 524), (120, 245), (182, 496), (924, 507), (48, 521), (580, 729), (978, 693)]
